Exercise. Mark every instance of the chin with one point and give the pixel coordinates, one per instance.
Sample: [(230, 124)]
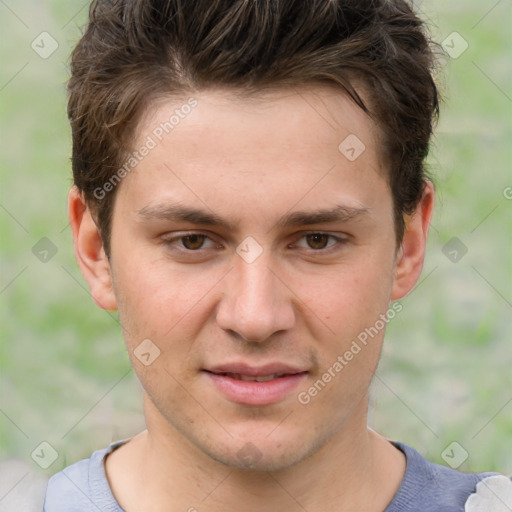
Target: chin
[(251, 458), (263, 452)]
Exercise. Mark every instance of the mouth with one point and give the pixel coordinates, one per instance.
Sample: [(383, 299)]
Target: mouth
[(250, 378), (256, 386)]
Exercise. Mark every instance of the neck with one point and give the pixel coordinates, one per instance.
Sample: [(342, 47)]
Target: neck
[(160, 469)]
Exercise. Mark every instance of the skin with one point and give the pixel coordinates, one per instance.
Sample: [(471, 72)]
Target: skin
[(253, 161)]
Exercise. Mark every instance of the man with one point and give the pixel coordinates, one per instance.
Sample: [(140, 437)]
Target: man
[(250, 195)]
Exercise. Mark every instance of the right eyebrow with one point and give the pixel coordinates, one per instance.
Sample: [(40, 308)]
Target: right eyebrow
[(174, 212)]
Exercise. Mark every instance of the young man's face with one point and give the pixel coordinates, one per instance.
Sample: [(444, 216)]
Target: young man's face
[(248, 243)]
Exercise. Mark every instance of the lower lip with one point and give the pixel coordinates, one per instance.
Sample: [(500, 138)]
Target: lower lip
[(253, 392)]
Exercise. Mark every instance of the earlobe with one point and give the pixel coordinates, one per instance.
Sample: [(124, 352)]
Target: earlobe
[(411, 254), (89, 251)]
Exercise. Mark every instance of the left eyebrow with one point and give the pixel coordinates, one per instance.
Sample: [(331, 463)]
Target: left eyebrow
[(336, 214)]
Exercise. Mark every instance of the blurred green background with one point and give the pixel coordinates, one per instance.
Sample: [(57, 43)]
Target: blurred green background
[(446, 371)]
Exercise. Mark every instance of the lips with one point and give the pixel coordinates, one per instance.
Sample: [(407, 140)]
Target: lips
[(255, 385)]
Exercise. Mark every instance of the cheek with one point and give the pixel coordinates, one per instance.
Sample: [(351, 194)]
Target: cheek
[(154, 297), (350, 297), (350, 306)]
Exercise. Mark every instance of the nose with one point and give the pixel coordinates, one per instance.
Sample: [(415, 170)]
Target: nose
[(255, 303)]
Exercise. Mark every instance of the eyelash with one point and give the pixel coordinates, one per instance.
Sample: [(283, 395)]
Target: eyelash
[(338, 241)]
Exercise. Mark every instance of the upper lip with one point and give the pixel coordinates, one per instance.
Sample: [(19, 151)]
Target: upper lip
[(256, 371)]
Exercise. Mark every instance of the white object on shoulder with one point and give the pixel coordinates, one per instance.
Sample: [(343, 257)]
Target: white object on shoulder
[(493, 494)]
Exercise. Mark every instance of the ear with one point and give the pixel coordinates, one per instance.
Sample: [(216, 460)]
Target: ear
[(89, 251), (410, 256)]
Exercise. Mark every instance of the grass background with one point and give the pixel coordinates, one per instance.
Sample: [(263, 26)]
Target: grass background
[(446, 372)]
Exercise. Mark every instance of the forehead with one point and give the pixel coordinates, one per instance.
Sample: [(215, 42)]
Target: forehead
[(314, 116), (292, 141)]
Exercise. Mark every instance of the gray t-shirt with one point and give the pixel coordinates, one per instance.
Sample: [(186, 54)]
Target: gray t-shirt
[(426, 487)]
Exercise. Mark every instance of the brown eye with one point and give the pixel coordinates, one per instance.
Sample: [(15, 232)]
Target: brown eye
[(193, 242), (317, 240)]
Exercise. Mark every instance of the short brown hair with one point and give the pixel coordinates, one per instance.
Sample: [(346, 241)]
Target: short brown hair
[(134, 51)]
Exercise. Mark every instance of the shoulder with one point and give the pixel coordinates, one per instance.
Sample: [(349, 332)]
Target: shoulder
[(433, 488), (67, 489), (82, 486)]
